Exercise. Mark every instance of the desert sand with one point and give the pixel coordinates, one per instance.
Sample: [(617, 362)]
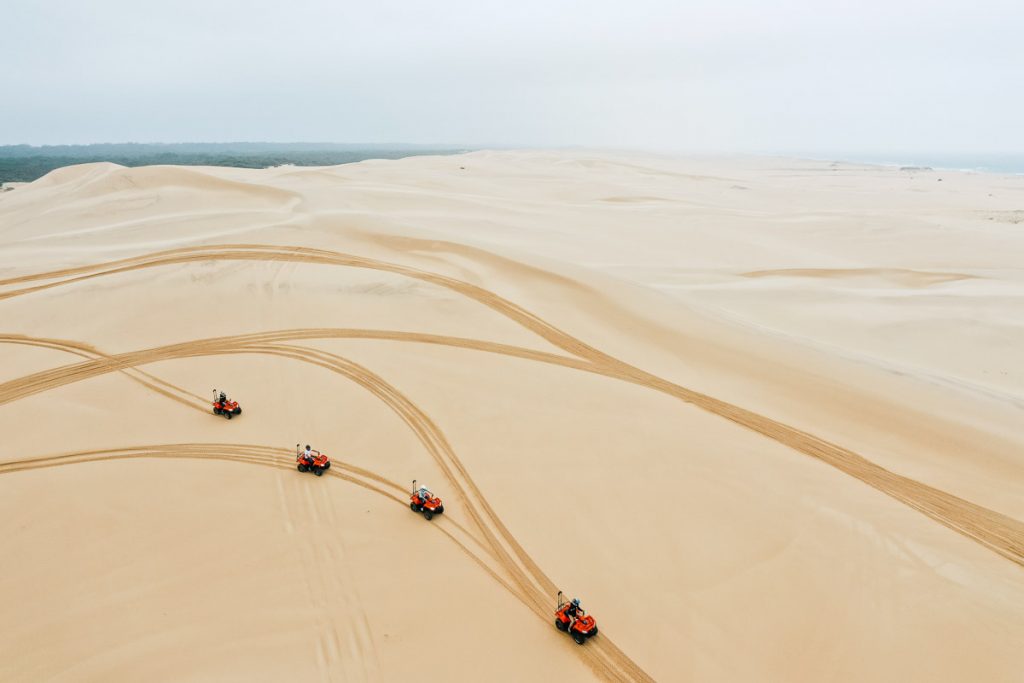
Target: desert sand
[(762, 416)]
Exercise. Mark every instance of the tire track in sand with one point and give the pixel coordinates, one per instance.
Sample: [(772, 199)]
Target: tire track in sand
[(1000, 533), (524, 578), (271, 457), (259, 252), (926, 500), (532, 583), (249, 454), (993, 530), (171, 391)]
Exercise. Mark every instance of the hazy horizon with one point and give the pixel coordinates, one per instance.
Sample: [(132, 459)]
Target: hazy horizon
[(24, 163), (1000, 161), (729, 76)]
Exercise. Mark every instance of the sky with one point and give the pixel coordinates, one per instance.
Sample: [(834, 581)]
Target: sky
[(786, 76)]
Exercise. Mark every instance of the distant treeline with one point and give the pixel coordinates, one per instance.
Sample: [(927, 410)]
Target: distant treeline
[(25, 163)]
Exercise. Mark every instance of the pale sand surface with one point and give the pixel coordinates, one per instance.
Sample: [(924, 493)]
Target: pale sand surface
[(837, 495)]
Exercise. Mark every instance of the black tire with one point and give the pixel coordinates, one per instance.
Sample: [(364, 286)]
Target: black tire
[(428, 514), (238, 411), (228, 415), (216, 411), (318, 471), (579, 637), (327, 466), (303, 468), (560, 626), (592, 633), (412, 506), (439, 510)]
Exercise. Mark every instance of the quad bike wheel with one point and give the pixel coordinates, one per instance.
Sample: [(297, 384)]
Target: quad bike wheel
[(238, 411), (561, 626), (303, 468), (414, 507), (428, 514), (579, 637), (440, 509), (593, 633), (318, 471), (327, 466), (228, 413), (216, 411)]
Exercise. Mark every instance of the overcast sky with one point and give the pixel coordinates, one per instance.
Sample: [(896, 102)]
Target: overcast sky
[(792, 76)]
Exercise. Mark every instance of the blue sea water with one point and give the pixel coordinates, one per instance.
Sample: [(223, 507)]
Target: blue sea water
[(984, 163)]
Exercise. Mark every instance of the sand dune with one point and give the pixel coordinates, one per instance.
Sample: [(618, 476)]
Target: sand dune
[(613, 368)]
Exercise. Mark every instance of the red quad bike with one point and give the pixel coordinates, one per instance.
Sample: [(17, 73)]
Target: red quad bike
[(422, 500), (222, 406), (317, 462), (571, 618)]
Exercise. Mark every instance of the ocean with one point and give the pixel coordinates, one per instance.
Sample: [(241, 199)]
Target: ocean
[(982, 163)]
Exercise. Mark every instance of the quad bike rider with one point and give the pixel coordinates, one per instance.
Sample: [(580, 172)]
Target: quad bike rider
[(422, 500), (309, 460), (570, 617), (222, 406)]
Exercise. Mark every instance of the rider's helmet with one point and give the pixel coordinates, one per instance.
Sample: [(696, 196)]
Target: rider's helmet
[(576, 602), (307, 446)]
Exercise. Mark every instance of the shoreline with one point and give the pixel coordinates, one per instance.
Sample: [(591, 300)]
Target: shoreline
[(1016, 168)]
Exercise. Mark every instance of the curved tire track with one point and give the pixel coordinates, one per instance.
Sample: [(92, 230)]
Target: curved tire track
[(163, 387), (532, 586), (264, 456), (998, 532), (269, 457), (260, 252)]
